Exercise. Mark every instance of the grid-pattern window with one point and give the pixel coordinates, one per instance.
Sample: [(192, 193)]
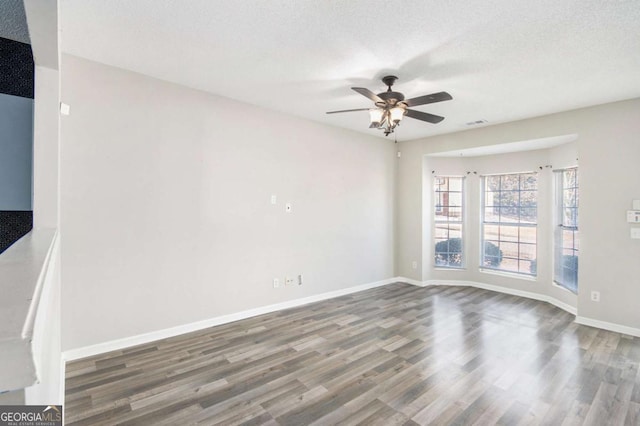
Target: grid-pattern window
[(448, 217), (565, 271), (509, 222)]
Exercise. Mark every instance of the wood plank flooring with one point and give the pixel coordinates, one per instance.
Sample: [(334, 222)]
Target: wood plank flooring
[(395, 355)]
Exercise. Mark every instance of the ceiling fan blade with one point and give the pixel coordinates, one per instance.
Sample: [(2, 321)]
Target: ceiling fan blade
[(424, 116), (428, 99), (368, 93), (348, 110)]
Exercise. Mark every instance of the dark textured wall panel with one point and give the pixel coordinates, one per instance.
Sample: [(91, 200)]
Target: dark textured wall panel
[(16, 68), (13, 226)]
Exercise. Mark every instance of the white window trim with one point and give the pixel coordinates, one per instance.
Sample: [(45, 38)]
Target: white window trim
[(498, 271), (462, 222), (558, 215)]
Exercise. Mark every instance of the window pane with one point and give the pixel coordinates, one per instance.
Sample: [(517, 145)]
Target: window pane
[(508, 198), (441, 216), (455, 213), (571, 216), (442, 231), (529, 181), (528, 214), (491, 232), (528, 235), (455, 230), (491, 214), (449, 199), (455, 199), (509, 264), (492, 255), (455, 184), (492, 183), (569, 178), (448, 251), (491, 198), (509, 214), (509, 223), (528, 198), (570, 198), (566, 241), (527, 251), (527, 267), (509, 233), (509, 249), (510, 182)]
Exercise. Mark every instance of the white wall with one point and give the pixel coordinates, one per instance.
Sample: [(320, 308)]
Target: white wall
[(165, 205), (608, 151), (46, 147)]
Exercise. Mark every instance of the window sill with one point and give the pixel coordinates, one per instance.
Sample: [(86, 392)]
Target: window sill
[(444, 268), (509, 274), (555, 284)]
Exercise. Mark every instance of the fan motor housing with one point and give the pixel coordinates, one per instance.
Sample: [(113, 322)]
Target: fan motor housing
[(391, 98)]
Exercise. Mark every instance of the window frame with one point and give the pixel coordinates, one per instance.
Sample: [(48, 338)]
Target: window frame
[(499, 224), (459, 222), (560, 228)]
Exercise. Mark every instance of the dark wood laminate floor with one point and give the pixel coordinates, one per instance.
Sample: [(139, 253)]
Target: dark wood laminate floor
[(398, 354)]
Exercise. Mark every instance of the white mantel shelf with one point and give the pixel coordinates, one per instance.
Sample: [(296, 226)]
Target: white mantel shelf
[(22, 272)]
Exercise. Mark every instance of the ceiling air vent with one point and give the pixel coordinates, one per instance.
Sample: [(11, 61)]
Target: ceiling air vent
[(475, 123)]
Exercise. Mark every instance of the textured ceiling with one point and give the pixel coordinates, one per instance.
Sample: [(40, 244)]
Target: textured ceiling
[(501, 60), (13, 22)]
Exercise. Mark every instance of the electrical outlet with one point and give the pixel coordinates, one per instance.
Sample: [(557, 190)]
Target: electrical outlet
[(276, 283), (414, 264), (595, 296), (288, 281), (300, 279)]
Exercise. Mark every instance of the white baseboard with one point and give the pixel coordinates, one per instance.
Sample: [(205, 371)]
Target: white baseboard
[(530, 295), (542, 297), (608, 326), (63, 375), (126, 342), (139, 339), (411, 281)]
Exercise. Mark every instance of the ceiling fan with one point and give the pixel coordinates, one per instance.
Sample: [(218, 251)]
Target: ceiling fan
[(391, 106)]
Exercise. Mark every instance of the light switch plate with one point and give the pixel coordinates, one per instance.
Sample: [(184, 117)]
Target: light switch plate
[(636, 204), (64, 108), (635, 233)]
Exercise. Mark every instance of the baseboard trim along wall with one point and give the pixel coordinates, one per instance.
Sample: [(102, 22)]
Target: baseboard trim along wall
[(140, 339), (114, 345), (535, 296), (528, 294), (623, 329)]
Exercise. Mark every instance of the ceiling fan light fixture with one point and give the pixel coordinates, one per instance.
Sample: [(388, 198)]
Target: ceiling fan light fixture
[(376, 116), (391, 107), (396, 114)]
